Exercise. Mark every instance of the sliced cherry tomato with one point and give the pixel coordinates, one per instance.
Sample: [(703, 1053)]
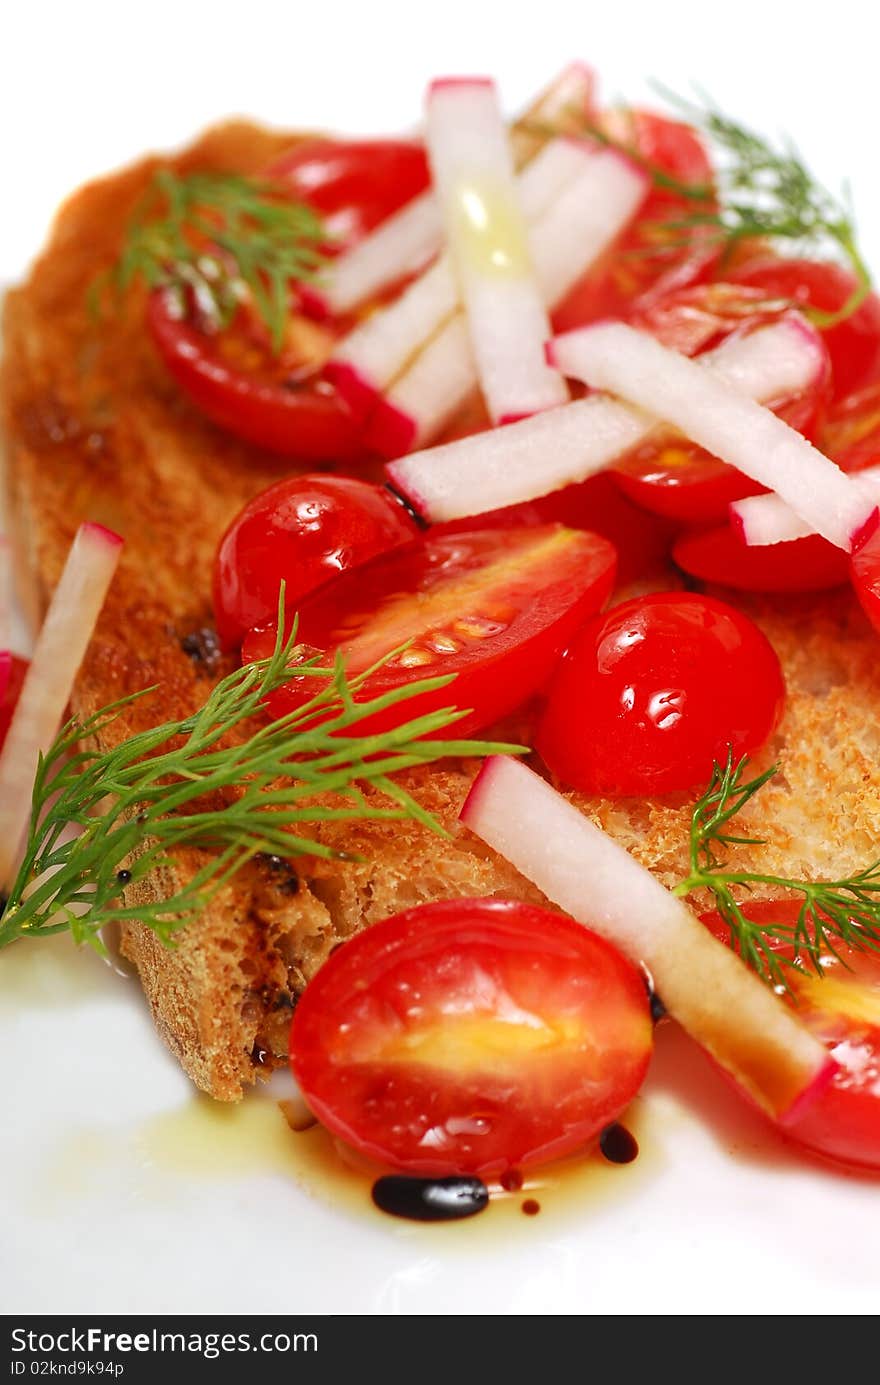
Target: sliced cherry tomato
[(646, 254), (354, 184), (865, 571), (670, 475), (234, 379), (854, 344), (842, 1009), (471, 1036), (642, 540), (650, 694), (301, 531), (13, 672), (851, 435), (718, 555), (495, 608)]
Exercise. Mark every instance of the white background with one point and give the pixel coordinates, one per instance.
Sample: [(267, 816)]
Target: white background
[(93, 1220)]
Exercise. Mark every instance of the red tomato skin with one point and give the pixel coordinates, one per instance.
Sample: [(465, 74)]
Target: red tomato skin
[(310, 422), (719, 556), (624, 273), (854, 344), (354, 184), (396, 977), (865, 573), (493, 676), (303, 531), (842, 1123), (12, 673), (597, 505), (651, 693)]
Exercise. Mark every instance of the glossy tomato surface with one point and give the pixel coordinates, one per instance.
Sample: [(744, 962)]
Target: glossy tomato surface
[(865, 571), (651, 694), (235, 379), (301, 531), (495, 608), (471, 1036), (12, 672), (646, 254), (354, 184), (718, 555), (669, 475), (842, 1008), (854, 344)]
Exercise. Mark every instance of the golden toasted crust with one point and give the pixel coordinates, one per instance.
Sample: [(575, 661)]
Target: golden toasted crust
[(95, 429)]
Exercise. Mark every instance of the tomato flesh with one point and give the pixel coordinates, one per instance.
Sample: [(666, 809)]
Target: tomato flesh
[(495, 608), (842, 1009), (650, 694), (302, 531), (804, 565), (470, 1036), (865, 572), (12, 675)]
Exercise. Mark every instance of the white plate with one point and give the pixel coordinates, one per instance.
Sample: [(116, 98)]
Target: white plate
[(118, 1192)]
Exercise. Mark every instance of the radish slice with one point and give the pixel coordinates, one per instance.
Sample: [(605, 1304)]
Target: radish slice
[(5, 614), (568, 237), (59, 651), (702, 983), (766, 519), (612, 356), (370, 357), (406, 241), (543, 454), (485, 229)]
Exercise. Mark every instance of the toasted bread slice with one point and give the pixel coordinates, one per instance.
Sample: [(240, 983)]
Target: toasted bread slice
[(95, 429)]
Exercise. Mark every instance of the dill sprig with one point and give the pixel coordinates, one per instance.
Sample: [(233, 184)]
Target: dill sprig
[(187, 783), (218, 239), (767, 192), (832, 912)]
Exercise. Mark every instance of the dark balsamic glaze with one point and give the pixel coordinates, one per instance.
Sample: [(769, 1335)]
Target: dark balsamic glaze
[(203, 647), (618, 1145), (658, 1009), (531, 1207), (430, 1199), (405, 504), (123, 876)]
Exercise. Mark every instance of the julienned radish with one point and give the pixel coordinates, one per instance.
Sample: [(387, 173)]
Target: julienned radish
[(60, 647), (538, 455), (373, 353), (712, 994), (633, 365), (485, 230), (411, 237), (766, 519)]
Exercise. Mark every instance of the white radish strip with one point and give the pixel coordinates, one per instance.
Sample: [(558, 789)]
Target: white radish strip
[(58, 653), (633, 365), (766, 519), (702, 983), (406, 241), (486, 235), (366, 361), (538, 455), (570, 235)]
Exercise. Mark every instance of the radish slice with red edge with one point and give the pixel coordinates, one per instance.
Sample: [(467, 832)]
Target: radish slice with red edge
[(745, 1028), (472, 167), (538, 455), (406, 241), (378, 349), (767, 519), (5, 614), (60, 647), (570, 235), (634, 366)]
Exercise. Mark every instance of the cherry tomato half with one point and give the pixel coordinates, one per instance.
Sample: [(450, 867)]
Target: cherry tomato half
[(234, 379), (842, 1009), (495, 608), (470, 1036), (301, 531), (670, 475), (642, 540), (650, 694), (718, 555), (646, 254), (865, 572), (854, 344), (354, 184)]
